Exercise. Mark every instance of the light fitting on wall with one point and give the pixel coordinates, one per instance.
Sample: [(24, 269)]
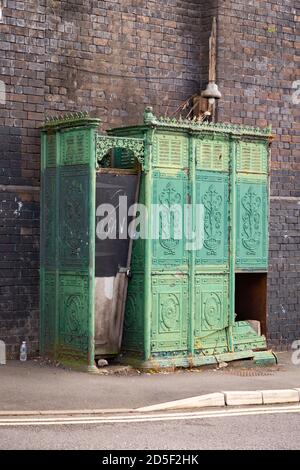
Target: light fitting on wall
[(212, 92)]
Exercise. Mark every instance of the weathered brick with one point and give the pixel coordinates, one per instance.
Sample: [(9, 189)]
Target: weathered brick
[(112, 58), (272, 92)]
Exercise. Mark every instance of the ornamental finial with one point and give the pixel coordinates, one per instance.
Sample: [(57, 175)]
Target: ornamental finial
[(149, 117)]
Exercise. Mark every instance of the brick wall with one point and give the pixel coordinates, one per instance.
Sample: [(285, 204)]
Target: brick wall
[(110, 58), (22, 70), (257, 65), (19, 255), (114, 57)]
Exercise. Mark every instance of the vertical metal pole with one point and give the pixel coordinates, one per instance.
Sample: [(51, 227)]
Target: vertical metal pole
[(232, 243), (57, 238), (148, 246), (92, 232), (192, 200), (42, 255)]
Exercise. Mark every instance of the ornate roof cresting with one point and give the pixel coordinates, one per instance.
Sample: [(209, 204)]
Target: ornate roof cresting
[(106, 143), (150, 118), (70, 120)]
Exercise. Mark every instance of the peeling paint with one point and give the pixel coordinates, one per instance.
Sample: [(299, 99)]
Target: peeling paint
[(282, 309), (109, 287), (17, 212)]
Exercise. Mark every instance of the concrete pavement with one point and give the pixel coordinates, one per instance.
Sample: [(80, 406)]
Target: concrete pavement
[(34, 386)]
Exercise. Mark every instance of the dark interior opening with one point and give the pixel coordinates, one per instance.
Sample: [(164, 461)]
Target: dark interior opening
[(118, 176), (112, 252), (251, 298)]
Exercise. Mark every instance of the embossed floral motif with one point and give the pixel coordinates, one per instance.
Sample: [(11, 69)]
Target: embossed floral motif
[(74, 329), (212, 310), (169, 313), (73, 309), (251, 234), (74, 233), (169, 198), (212, 202)]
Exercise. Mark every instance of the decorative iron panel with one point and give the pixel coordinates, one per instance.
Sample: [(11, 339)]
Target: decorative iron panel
[(133, 145), (252, 224), (74, 217), (212, 192), (212, 302), (73, 308), (170, 314), (170, 194)]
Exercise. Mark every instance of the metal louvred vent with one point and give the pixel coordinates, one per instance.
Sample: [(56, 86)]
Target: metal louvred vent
[(212, 155), (171, 151), (252, 158)]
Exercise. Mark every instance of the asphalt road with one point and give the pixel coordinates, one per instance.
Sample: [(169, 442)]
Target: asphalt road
[(276, 429)]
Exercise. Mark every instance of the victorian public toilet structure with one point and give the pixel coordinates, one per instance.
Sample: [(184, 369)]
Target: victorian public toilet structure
[(160, 300)]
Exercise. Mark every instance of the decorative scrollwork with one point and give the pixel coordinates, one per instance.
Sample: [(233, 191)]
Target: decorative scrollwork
[(74, 233), (251, 234), (106, 143), (212, 310), (73, 307), (212, 201), (75, 329), (169, 199), (170, 314)]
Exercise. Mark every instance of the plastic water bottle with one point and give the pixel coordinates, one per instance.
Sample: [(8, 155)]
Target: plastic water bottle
[(23, 352)]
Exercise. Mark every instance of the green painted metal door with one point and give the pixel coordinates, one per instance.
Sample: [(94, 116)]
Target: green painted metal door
[(67, 240)]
